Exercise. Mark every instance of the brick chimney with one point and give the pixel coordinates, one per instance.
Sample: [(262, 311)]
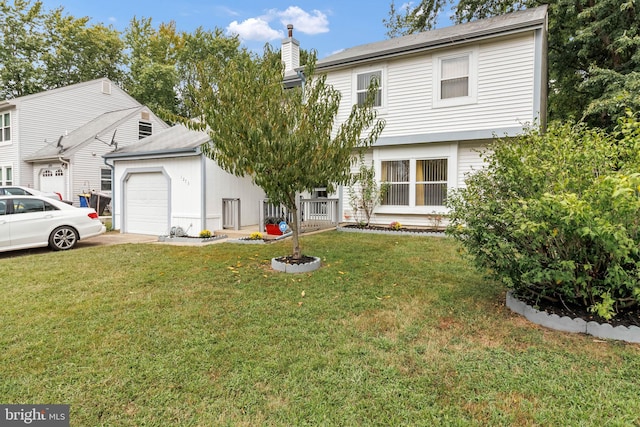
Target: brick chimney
[(290, 51)]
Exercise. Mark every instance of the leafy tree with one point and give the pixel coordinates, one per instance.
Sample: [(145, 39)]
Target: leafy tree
[(77, 52), (152, 58), (554, 216), (21, 48), (162, 62), (41, 50), (287, 141), (594, 63)]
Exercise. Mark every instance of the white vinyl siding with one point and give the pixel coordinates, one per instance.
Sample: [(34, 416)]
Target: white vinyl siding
[(469, 160), (504, 91)]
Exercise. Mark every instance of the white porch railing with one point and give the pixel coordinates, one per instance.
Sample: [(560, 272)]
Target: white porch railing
[(231, 214), (314, 214)]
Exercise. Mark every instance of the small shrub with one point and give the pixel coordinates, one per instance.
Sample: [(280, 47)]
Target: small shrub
[(205, 234), (365, 194), (395, 225)]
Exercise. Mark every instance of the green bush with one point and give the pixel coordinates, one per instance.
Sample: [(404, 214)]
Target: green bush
[(557, 216)]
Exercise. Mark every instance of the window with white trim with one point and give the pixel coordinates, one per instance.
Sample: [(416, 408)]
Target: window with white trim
[(5, 127), (105, 179), (421, 182), (431, 182), (454, 79), (363, 81), (395, 174), (6, 175)]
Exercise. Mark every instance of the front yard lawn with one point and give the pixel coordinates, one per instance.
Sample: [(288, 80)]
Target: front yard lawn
[(392, 330)]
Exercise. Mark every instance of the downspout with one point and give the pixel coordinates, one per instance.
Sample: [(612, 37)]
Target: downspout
[(66, 165), (203, 195), (113, 193)]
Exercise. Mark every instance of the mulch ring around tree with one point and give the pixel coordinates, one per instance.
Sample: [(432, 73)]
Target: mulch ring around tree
[(628, 317), (292, 261)]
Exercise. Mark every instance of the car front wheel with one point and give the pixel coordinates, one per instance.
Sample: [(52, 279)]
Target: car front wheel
[(63, 238)]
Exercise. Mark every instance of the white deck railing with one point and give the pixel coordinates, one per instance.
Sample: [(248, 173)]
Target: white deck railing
[(314, 214)]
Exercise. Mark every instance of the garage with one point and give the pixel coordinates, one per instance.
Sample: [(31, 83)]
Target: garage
[(146, 196)]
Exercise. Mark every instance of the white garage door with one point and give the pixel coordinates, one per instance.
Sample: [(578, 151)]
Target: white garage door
[(147, 204), (52, 181)]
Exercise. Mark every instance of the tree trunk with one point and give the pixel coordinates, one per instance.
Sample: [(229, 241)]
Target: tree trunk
[(295, 226)]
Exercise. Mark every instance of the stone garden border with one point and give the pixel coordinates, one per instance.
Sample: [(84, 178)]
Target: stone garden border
[(295, 268), (392, 232), (566, 324)]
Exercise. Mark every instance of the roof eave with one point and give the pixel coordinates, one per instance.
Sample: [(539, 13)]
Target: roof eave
[(187, 151), (434, 44)]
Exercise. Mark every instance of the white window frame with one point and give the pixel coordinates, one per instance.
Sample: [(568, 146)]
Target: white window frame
[(3, 175), (472, 97), (3, 127), (413, 182), (382, 69), (103, 180)]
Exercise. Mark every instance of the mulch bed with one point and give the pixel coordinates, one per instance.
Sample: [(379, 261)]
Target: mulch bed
[(390, 230), (290, 260)]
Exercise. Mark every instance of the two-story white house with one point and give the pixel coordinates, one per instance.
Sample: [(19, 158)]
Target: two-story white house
[(443, 94), (54, 140)]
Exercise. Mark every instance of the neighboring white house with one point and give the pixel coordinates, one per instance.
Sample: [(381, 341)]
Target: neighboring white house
[(164, 181), (444, 94), (54, 140)]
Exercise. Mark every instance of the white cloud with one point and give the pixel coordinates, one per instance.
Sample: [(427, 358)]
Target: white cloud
[(261, 27), (312, 23), (256, 29), (113, 19)]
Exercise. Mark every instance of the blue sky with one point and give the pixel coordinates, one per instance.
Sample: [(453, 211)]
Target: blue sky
[(327, 26)]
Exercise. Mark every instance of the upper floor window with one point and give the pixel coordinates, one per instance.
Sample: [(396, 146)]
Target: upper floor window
[(454, 79), (144, 129), (363, 80), (5, 127)]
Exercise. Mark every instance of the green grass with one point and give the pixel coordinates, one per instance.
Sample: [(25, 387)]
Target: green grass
[(390, 331)]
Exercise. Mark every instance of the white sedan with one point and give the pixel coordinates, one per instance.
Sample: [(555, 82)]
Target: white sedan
[(36, 221)]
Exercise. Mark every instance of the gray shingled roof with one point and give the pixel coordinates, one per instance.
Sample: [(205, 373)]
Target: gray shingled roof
[(102, 126), (177, 139), (441, 37)]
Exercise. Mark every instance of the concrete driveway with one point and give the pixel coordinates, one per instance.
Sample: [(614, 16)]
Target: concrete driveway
[(116, 238)]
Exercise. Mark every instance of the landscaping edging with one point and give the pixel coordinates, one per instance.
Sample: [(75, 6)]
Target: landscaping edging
[(394, 232), (567, 324), (169, 239), (295, 268)]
